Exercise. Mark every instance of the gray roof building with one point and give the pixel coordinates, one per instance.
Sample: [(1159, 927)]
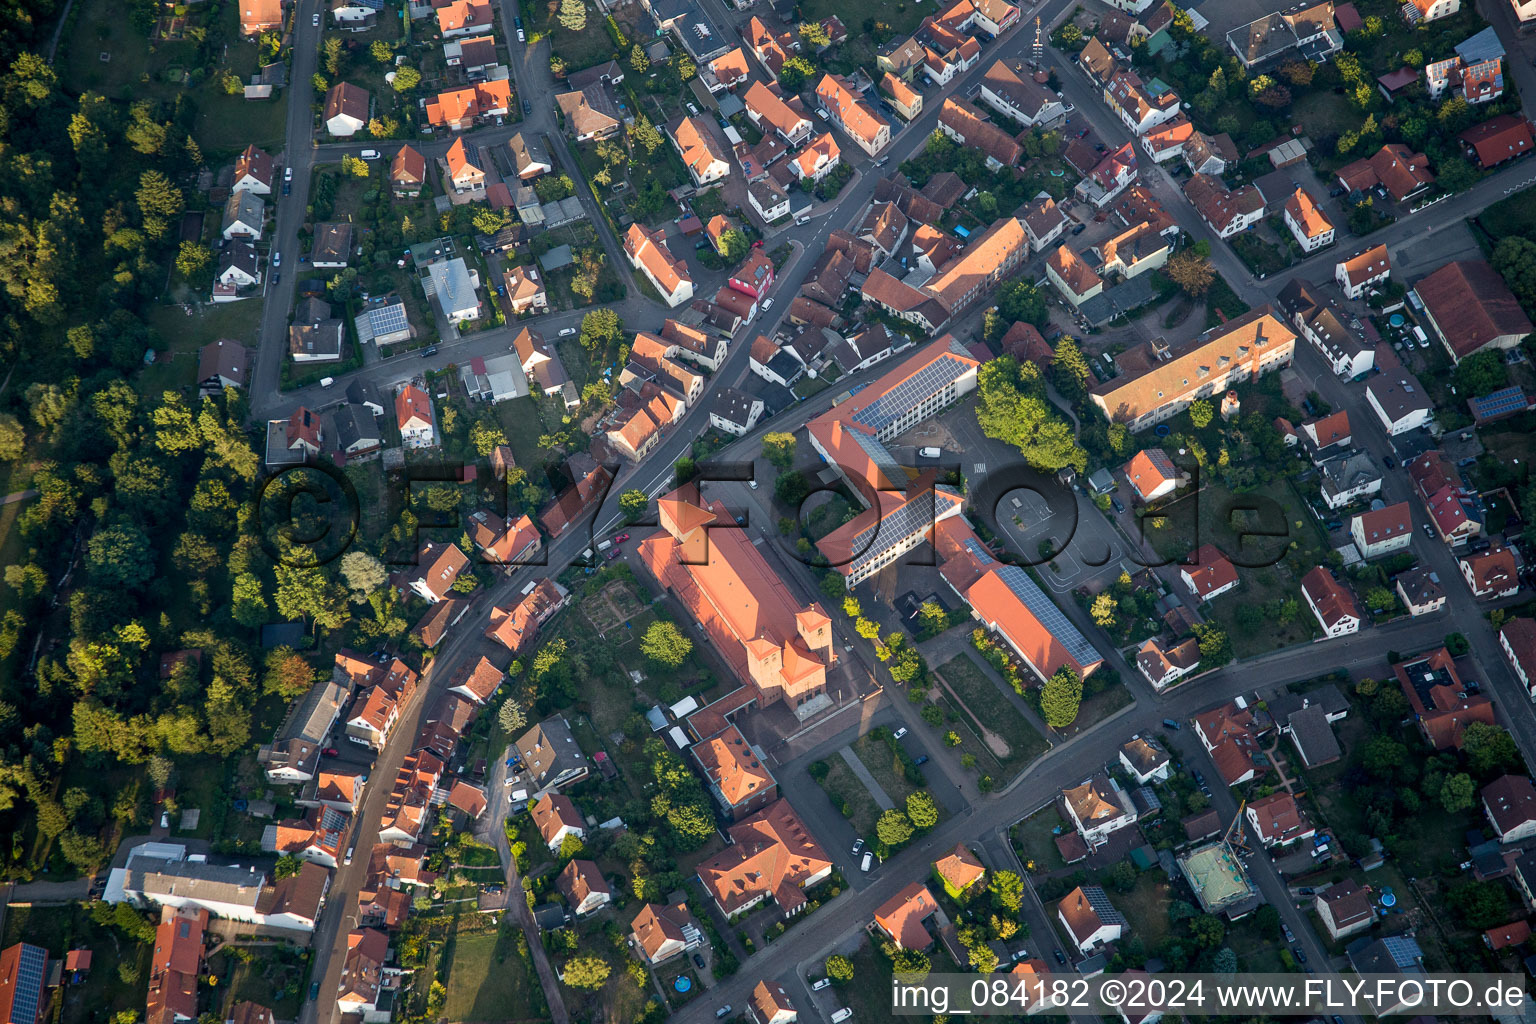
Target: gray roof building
[(551, 755), (357, 432)]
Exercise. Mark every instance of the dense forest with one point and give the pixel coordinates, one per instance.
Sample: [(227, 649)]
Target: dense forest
[(133, 546)]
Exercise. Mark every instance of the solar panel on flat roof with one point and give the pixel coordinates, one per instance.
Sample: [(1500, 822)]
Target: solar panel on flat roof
[(1504, 400), (1050, 616), (387, 319)]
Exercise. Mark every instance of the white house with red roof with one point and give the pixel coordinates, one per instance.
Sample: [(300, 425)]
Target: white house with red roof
[(1517, 637), (1209, 574), (1331, 602), (1382, 531)]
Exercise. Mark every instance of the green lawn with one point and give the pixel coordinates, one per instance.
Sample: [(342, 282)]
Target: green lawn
[(868, 995), (274, 978), (579, 49), (991, 713), (1036, 842), (522, 420), (845, 790), (1513, 216), (885, 766), (488, 981), (1146, 907), (183, 337)]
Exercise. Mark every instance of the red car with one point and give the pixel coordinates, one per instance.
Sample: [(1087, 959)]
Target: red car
[(614, 553), (621, 538), (331, 752)]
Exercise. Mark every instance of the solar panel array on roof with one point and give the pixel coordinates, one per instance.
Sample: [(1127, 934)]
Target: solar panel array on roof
[(909, 394), (978, 552), (912, 517), (1499, 403), (1405, 952), (884, 461), (1050, 616), (387, 319), (31, 965)]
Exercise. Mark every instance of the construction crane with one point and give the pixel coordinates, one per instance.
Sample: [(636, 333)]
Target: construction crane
[(1234, 836), (1039, 44)]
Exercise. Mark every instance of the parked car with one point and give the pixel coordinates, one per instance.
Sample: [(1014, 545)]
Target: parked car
[(1080, 229), (899, 733), (1287, 929), (1198, 776), (430, 350), (820, 983), (767, 305), (614, 553), (1118, 507), (314, 990), (621, 538), (920, 759), (868, 860), (723, 1012), (315, 21), (287, 173), (568, 332), (1172, 723), (331, 752), (527, 107), (1390, 461), (1060, 957), (858, 844), (1301, 954), (1429, 531), (277, 259), (698, 961)]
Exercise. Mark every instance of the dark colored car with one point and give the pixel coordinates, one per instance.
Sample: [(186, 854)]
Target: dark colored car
[(1301, 954), (527, 107), (614, 553), (1060, 957), (698, 961), (1390, 461), (1080, 229), (1116, 503), (314, 990), (331, 752), (920, 759), (430, 350)]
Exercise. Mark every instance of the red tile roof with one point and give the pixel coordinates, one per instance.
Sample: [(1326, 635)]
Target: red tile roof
[(901, 917)]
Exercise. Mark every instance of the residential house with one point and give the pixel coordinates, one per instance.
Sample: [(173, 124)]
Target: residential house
[(1098, 807), (1146, 760), (245, 216), (477, 681), (459, 109), (332, 245), (1382, 531), (529, 156), (769, 200), (525, 290), (315, 336), (1452, 506), (1277, 820), (453, 284), (457, 18), (1327, 436), (375, 711), (966, 125), (770, 1004), (701, 154), (239, 267), (1441, 705), (904, 99), (413, 415), (1044, 222), (1014, 92), (727, 71), (818, 159), (258, 16), (1227, 211), (365, 982), (738, 779), (1492, 573), (1422, 594), (1073, 277), (958, 870), (515, 626), (1167, 140), (1090, 919), (1394, 167), (222, 364), (1152, 474), (768, 110), (901, 918), (735, 412), (1344, 908), (1229, 734), (465, 179), (1141, 106), (663, 931), (1498, 139), (436, 570), (648, 253), (1400, 401), (407, 173), (346, 109), (590, 114), (1510, 804), (1164, 663), (1308, 223), (1112, 175), (1209, 573), (584, 887), (1331, 602), (253, 172), (848, 109), (556, 817), (1359, 272), (551, 755)]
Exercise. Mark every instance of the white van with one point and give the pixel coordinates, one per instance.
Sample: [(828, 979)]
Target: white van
[(930, 452), (604, 545), (820, 984), (327, 382), (838, 1016), (868, 859), (369, 154)]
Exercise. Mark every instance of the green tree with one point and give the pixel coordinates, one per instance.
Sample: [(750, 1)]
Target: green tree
[(363, 574), (921, 810), (814, 34), (893, 828), (665, 644), (795, 73), (406, 79), (287, 866), (1007, 888), (638, 61), (381, 52), (1483, 372), (287, 674), (1190, 271), (1012, 409), (511, 717), (1201, 412), (734, 246), (643, 133), (573, 15), (779, 448), (1069, 369), (193, 259), (586, 972), (1215, 646), (600, 329), (1060, 698), (1103, 609), (1457, 793), (354, 167), (120, 556), (1021, 301), (1489, 749), (1207, 930), (331, 55), (13, 437), (839, 968), (633, 504)]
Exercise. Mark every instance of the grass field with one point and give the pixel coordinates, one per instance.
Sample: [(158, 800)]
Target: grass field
[(274, 980), (1513, 216), (991, 712), (488, 981), (1035, 841), (1146, 907), (884, 765)]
